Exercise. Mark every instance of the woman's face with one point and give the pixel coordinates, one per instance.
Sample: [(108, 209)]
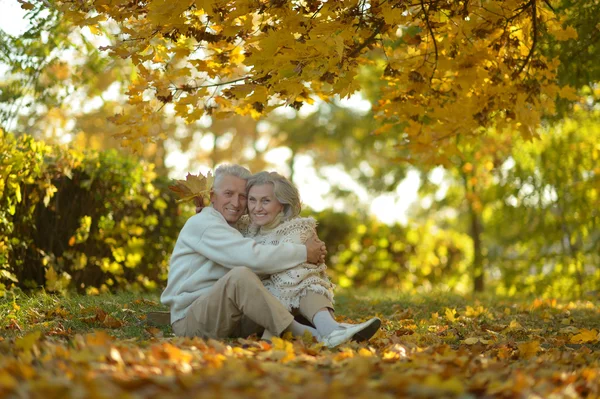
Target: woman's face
[(263, 206)]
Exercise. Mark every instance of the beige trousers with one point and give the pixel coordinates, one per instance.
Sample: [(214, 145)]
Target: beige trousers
[(310, 304), (239, 305)]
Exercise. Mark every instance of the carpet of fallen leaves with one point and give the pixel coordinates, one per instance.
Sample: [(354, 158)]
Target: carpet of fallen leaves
[(426, 348)]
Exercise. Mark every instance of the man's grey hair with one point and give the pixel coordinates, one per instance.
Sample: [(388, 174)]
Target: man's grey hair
[(285, 192), (230, 170)]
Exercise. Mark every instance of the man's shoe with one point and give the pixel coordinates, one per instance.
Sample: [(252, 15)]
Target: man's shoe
[(347, 332)]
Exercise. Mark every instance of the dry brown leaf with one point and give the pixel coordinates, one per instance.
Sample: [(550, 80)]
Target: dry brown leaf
[(194, 186)]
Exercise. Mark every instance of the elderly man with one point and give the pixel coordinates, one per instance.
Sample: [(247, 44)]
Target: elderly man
[(212, 287)]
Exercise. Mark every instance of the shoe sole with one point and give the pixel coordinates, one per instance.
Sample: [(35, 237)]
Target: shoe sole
[(366, 333)]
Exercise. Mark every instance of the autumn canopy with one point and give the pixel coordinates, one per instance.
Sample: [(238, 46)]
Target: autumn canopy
[(447, 68)]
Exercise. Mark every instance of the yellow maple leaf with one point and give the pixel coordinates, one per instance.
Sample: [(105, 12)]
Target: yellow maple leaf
[(194, 186), (27, 342), (95, 30), (529, 349), (54, 281), (514, 325), (565, 34), (584, 336), (452, 384), (450, 315), (568, 93), (365, 352), (98, 338), (7, 381)]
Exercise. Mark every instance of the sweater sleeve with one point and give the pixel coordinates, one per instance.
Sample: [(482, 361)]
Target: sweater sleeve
[(226, 246)]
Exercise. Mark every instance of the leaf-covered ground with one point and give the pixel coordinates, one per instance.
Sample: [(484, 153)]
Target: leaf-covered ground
[(430, 346)]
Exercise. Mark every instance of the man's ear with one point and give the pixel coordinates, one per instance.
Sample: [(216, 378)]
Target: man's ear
[(212, 195)]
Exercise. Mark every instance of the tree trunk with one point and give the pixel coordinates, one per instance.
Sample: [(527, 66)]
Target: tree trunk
[(478, 272), (214, 159), (475, 231), (292, 165)]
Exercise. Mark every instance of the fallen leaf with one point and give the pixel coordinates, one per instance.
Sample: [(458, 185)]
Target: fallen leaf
[(27, 342), (529, 349), (155, 332), (450, 315), (585, 336)]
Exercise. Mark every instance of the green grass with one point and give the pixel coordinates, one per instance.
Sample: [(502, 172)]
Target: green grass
[(65, 316)]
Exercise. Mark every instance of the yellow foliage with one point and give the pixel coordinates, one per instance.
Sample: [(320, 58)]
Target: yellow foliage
[(56, 282), (446, 74), (450, 315)]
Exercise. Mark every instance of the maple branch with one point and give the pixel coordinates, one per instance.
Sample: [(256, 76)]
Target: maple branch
[(453, 133), (188, 88), (532, 3), (383, 50), (432, 38), (549, 5), (318, 9), (368, 41), (135, 39), (521, 10)]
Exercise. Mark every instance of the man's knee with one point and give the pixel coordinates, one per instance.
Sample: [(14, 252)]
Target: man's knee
[(242, 274)]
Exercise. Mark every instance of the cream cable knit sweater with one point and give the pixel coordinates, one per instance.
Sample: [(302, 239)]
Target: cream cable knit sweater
[(290, 285)]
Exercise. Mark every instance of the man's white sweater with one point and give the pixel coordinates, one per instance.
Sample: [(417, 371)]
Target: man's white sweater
[(207, 248)]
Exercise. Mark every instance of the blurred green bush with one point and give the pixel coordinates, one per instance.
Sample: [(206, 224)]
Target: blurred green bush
[(92, 221), (363, 251)]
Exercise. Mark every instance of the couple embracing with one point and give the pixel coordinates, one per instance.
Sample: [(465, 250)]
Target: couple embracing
[(233, 275)]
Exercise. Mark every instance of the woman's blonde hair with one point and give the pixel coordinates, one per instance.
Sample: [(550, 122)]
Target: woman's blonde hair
[(285, 192)]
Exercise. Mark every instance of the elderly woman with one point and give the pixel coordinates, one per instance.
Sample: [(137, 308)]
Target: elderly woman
[(273, 210)]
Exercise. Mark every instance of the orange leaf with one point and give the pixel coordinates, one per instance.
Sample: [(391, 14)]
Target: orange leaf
[(99, 338), (111, 322)]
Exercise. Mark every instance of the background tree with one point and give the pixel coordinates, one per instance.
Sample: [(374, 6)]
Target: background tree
[(546, 226), (578, 58)]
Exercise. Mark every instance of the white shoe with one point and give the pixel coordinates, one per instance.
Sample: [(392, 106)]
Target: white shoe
[(358, 332), (370, 328)]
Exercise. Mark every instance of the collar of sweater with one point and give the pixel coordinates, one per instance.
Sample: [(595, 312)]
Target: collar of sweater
[(269, 227)]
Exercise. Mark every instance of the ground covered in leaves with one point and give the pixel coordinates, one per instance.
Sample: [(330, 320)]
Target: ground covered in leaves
[(429, 346)]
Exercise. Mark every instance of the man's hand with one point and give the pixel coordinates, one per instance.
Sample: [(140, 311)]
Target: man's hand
[(199, 201), (316, 251)]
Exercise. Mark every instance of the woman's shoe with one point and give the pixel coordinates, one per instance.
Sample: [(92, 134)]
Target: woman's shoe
[(347, 332), (366, 333)]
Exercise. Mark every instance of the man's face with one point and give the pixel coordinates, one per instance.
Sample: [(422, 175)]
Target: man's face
[(229, 198)]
